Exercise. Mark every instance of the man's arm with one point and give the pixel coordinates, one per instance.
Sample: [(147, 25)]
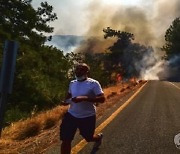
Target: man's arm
[(99, 98)]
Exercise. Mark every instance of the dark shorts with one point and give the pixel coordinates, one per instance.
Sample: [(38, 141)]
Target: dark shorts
[(70, 124)]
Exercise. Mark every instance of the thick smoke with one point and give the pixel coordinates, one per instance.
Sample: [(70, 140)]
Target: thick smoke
[(148, 23), (94, 45), (171, 69), (166, 12), (132, 19)]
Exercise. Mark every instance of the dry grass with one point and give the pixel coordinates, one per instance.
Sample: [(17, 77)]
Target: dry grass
[(115, 93), (34, 134), (34, 125)]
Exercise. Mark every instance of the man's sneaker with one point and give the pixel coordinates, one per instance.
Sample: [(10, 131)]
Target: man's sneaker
[(98, 143)]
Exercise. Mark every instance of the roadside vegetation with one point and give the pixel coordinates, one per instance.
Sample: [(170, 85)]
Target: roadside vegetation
[(33, 134)]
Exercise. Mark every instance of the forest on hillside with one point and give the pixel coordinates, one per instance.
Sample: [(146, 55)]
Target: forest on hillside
[(43, 72)]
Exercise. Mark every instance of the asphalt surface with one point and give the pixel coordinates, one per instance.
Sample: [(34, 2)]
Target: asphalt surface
[(147, 125)]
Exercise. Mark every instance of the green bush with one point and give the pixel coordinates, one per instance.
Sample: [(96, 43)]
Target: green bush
[(14, 114)]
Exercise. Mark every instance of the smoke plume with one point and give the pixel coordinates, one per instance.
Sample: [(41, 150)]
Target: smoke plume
[(148, 23)]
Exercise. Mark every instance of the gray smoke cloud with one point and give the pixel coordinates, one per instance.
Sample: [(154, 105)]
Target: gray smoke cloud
[(134, 20), (94, 45), (148, 23)]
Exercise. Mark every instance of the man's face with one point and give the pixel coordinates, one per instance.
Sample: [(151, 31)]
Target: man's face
[(80, 71)]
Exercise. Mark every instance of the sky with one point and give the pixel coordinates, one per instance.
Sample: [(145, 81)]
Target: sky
[(73, 14)]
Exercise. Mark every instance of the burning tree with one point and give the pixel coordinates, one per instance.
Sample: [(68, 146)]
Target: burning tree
[(124, 55)]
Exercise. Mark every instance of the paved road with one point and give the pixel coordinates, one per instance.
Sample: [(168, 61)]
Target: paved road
[(147, 125)]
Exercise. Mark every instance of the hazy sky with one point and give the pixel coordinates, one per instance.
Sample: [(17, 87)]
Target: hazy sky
[(147, 19), (73, 15)]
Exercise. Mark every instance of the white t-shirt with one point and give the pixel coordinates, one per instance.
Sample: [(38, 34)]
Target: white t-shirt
[(90, 88)]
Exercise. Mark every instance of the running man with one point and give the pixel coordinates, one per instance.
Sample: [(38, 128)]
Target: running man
[(83, 93)]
